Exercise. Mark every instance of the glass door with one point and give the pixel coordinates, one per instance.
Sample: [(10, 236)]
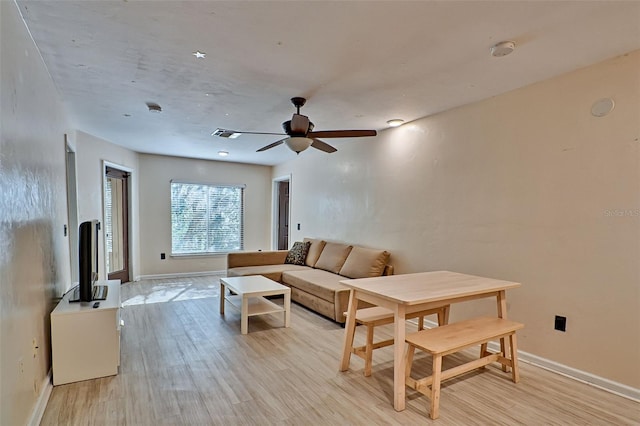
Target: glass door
[(117, 224)]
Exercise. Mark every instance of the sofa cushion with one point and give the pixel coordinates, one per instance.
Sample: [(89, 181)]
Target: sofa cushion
[(255, 258), (273, 272), (320, 283), (364, 263), (315, 249), (333, 256), (298, 253)]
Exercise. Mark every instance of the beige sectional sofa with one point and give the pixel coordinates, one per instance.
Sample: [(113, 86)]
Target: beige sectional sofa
[(315, 283)]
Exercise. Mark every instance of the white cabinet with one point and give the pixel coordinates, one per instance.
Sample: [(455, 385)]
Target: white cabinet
[(85, 341)]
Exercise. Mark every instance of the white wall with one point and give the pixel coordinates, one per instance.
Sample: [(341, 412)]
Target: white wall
[(520, 187), (91, 153), (34, 253), (156, 173)]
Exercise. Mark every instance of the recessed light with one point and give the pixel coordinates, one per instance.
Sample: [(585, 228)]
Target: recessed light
[(223, 153), (395, 122), (199, 55), (502, 49)]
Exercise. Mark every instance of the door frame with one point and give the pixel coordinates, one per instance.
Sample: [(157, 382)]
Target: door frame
[(275, 208), (103, 228), (72, 208)]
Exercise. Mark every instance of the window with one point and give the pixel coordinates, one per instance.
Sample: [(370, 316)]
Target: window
[(206, 218)]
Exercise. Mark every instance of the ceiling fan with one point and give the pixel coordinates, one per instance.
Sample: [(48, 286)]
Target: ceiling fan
[(300, 134)]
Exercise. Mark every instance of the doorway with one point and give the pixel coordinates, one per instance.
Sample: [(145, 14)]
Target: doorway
[(281, 193), (116, 223)]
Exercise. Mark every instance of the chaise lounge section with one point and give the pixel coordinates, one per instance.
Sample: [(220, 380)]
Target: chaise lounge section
[(313, 269)]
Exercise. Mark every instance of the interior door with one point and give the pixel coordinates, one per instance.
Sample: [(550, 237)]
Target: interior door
[(117, 224), (283, 215)]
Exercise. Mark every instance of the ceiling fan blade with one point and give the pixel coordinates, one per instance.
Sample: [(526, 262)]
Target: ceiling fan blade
[(299, 124), (323, 146), (272, 145), (341, 133)]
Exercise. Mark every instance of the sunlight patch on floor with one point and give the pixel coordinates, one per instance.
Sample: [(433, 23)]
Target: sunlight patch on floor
[(173, 292)]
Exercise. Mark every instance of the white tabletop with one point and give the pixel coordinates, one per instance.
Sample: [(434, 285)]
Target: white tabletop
[(252, 284)]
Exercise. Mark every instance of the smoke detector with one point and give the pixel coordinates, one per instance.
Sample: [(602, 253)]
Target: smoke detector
[(503, 48)]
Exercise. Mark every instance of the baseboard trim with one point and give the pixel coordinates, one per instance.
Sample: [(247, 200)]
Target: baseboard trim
[(564, 370), (178, 275), (41, 403)]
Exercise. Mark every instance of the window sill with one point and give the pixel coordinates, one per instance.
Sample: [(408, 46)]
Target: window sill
[(184, 255)]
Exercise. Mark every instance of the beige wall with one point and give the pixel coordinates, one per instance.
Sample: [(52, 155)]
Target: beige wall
[(520, 187), (91, 155), (156, 173), (34, 253)]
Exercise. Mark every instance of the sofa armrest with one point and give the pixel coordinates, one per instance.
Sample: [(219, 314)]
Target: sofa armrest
[(255, 258)]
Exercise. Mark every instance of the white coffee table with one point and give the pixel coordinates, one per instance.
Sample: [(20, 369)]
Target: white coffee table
[(249, 297)]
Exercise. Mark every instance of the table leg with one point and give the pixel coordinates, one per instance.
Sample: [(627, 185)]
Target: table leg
[(399, 367), (349, 331), (222, 289), (244, 315), (287, 308), (443, 316), (502, 313)]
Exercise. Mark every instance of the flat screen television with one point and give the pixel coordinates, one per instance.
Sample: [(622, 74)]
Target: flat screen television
[(88, 258)]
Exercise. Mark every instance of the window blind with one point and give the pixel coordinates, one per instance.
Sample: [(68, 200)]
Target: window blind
[(206, 218)]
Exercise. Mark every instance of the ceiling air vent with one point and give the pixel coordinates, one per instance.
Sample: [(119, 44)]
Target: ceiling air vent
[(224, 133)]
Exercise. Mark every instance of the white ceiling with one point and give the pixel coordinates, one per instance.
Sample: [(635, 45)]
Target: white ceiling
[(360, 63)]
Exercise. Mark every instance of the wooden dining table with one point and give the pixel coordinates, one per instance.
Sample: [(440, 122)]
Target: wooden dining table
[(408, 293)]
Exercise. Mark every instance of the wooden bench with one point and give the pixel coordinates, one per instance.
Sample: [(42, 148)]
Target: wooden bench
[(447, 339), (375, 316)]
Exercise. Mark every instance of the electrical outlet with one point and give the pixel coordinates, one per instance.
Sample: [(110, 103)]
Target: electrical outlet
[(35, 347), (163, 256), (560, 323), (21, 365)]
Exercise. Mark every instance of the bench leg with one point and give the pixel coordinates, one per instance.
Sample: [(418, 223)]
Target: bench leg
[(368, 352), (515, 374), (435, 387), (483, 353), (408, 360)]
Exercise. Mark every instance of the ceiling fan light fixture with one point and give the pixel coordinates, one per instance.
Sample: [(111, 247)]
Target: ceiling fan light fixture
[(395, 122), (298, 144)]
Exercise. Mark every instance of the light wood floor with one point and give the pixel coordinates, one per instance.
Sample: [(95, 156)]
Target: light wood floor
[(184, 364)]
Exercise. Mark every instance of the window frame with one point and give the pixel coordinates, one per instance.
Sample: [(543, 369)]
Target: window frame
[(241, 187)]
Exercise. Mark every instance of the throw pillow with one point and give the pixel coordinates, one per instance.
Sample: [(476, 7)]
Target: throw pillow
[(314, 251), (365, 263), (298, 253)]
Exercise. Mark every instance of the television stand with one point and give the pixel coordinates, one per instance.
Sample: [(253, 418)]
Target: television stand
[(85, 341)]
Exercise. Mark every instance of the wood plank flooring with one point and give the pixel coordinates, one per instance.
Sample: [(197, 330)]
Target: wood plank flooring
[(184, 364)]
